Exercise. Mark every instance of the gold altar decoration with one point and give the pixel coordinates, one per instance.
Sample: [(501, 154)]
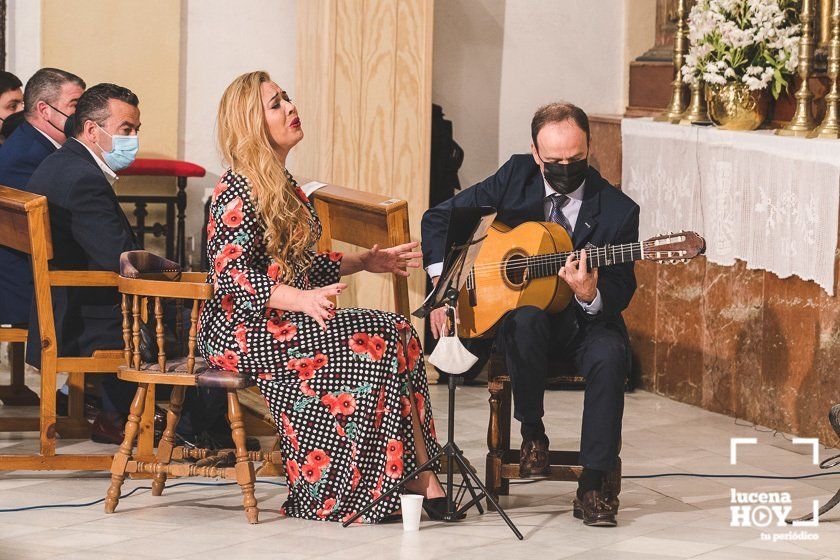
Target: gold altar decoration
[(733, 106), (674, 112), (697, 111), (830, 126), (803, 122)]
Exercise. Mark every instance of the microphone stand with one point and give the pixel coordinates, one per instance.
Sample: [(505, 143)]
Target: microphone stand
[(455, 456)]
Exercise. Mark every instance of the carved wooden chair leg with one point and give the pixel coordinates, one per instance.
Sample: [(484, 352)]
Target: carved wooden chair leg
[(167, 440), (244, 467), (123, 455), (495, 451)]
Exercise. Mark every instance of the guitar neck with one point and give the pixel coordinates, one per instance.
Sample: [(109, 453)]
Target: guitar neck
[(540, 266)]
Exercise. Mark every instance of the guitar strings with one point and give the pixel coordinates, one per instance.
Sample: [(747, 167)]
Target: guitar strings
[(555, 258)]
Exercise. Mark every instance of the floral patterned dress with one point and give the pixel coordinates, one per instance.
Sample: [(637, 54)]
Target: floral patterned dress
[(340, 397)]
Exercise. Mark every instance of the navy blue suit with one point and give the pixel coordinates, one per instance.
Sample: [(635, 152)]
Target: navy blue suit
[(597, 345), (89, 232), (20, 156)]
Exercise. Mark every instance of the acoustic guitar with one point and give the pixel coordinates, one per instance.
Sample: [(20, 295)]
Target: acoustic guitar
[(518, 267)]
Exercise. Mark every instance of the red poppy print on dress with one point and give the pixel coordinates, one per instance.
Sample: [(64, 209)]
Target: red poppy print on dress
[(283, 331), (274, 271), (301, 195), (227, 305), (311, 473), (413, 353), (292, 472), (318, 457), (376, 347), (357, 476), (232, 216), (319, 361), (420, 402), (220, 187), (394, 468), (334, 256), (306, 389), (329, 505), (359, 343), (241, 279), (376, 492), (266, 376), (226, 361), (381, 410), (400, 358), (394, 449), (289, 431), (305, 369), (211, 228), (239, 334), (343, 403), (405, 406)]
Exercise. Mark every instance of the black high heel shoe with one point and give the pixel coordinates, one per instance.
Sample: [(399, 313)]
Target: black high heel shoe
[(435, 508)]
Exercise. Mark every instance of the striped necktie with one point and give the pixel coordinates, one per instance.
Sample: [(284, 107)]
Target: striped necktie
[(558, 201)]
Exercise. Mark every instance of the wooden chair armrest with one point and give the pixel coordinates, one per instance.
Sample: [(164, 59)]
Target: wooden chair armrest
[(195, 277), (371, 202), (165, 289), (83, 278)]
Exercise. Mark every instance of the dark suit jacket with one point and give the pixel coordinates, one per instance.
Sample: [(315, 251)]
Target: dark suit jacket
[(20, 156), (517, 192), (89, 232)]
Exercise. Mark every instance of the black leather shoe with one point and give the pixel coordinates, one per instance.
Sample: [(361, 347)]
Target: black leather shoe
[(435, 508), (533, 458), (108, 427), (595, 509), (93, 405)]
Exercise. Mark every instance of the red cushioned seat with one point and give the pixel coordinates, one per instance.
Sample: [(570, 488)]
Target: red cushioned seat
[(163, 168)]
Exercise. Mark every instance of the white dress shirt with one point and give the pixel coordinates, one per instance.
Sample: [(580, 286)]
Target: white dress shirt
[(571, 211), (47, 136), (109, 173)]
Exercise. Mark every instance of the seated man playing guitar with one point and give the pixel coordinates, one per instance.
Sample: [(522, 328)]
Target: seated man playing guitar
[(555, 184)]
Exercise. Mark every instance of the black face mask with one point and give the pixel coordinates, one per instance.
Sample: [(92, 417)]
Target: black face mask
[(62, 113), (565, 178)]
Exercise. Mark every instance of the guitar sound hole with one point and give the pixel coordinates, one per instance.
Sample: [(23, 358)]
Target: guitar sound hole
[(516, 270)]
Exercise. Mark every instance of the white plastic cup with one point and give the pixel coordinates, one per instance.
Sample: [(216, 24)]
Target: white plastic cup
[(412, 506)]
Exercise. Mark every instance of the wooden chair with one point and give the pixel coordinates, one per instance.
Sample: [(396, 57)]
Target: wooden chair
[(503, 460), (16, 393), (25, 226), (150, 284)]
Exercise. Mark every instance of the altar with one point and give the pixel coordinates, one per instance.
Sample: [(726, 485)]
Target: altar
[(753, 329)]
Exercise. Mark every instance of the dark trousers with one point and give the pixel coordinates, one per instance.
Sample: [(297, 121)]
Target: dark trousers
[(599, 351)]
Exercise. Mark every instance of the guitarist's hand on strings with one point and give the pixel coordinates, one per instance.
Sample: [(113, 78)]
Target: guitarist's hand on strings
[(582, 280)]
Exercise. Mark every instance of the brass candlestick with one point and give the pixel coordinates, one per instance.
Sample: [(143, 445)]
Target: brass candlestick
[(697, 112), (675, 110), (802, 122), (830, 126)]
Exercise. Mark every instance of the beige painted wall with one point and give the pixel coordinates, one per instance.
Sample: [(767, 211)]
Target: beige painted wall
[(133, 44)]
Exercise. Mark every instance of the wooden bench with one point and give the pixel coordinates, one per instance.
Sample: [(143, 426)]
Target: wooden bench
[(25, 226)]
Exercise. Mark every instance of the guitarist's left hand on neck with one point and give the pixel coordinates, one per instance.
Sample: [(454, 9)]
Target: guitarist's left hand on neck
[(582, 280)]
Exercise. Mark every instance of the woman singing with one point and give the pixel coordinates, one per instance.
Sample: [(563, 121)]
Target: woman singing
[(351, 405)]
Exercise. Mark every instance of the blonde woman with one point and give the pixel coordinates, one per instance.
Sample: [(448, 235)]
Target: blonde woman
[(351, 405)]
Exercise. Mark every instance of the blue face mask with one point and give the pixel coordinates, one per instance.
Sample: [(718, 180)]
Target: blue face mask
[(123, 150)]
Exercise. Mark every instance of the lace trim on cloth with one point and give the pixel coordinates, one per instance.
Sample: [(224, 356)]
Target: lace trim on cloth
[(770, 201)]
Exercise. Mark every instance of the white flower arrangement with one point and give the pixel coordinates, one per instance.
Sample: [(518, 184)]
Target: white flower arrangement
[(755, 42)]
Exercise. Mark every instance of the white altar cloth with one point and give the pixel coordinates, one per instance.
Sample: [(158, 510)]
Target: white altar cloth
[(770, 201)]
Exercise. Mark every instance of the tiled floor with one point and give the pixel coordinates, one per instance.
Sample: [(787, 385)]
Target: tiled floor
[(660, 518)]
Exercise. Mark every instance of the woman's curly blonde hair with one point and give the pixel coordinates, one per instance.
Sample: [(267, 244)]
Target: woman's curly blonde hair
[(245, 144)]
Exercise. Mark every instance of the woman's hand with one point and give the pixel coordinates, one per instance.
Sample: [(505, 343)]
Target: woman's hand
[(314, 303), (395, 260)]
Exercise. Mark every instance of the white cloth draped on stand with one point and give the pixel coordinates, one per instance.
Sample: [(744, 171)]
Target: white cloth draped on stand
[(770, 201)]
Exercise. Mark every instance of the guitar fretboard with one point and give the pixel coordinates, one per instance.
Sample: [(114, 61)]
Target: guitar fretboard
[(541, 266)]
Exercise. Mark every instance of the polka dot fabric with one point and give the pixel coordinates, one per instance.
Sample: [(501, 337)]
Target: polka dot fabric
[(341, 398)]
